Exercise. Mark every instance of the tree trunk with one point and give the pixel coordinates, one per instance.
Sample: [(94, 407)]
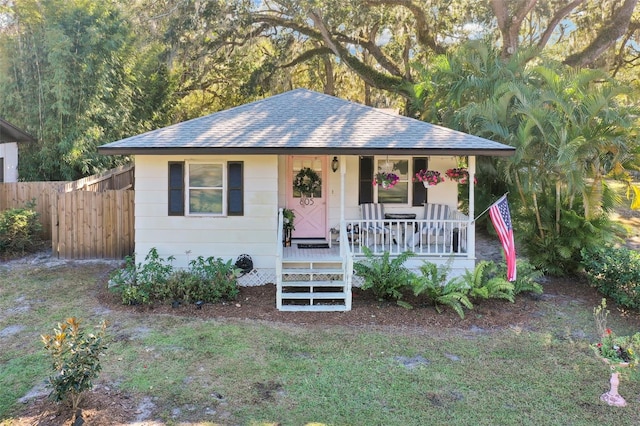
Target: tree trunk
[(605, 38)]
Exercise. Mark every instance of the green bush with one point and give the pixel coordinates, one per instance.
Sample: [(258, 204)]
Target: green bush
[(615, 272), (526, 277), (386, 277), (484, 282), (432, 283), (75, 359), (208, 280), (19, 230)]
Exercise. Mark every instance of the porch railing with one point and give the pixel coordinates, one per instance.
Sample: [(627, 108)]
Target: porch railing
[(424, 237)]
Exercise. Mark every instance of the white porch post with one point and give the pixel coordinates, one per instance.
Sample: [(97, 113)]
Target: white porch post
[(343, 172), (471, 250)]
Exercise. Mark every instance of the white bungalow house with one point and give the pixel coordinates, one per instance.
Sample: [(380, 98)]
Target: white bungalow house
[(216, 186), (10, 135)]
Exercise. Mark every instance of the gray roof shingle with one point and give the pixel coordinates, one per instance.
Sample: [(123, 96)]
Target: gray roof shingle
[(305, 122)]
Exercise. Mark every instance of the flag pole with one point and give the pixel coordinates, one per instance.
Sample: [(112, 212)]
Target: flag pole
[(487, 209)]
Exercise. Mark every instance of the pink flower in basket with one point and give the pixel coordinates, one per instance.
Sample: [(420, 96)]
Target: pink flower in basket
[(460, 175), (428, 177), (386, 180)]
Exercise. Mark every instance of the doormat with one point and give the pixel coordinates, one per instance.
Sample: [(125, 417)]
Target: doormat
[(313, 246)]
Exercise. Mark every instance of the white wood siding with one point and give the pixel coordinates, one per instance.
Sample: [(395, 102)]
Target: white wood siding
[(9, 152), (224, 237)]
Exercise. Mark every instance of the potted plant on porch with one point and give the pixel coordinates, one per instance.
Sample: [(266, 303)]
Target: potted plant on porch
[(288, 217), (428, 177)]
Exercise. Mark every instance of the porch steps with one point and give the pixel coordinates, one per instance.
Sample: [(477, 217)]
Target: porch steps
[(312, 286)]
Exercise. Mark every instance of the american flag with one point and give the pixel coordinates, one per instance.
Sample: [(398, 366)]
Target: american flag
[(501, 219)]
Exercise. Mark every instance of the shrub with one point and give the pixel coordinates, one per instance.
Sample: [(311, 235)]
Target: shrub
[(219, 278), (484, 282), (206, 280), (19, 230), (615, 272), (75, 359), (145, 282), (432, 284), (526, 278), (386, 277)]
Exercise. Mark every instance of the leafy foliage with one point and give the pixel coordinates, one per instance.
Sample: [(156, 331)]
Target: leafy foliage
[(484, 282), (206, 280), (75, 359), (19, 230), (74, 89), (432, 283), (387, 277), (526, 278), (615, 272)]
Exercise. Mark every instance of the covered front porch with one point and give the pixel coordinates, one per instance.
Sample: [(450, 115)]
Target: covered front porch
[(317, 274)]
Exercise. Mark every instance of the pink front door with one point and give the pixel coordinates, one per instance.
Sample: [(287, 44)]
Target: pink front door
[(310, 209)]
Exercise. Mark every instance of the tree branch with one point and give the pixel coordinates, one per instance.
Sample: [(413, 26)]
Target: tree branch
[(423, 33), (510, 27), (605, 38), (557, 17), (367, 73)]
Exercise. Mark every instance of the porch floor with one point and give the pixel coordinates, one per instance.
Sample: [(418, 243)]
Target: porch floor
[(295, 253)]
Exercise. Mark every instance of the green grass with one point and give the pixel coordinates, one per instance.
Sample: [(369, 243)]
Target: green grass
[(295, 375)]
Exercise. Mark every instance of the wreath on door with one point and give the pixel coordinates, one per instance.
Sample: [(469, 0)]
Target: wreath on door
[(307, 182)]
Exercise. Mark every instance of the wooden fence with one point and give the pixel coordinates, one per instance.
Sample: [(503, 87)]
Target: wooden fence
[(93, 225), (118, 178), (17, 195), (82, 218)]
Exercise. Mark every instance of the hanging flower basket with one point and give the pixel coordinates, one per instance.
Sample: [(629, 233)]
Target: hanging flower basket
[(428, 177), (385, 180), (306, 182), (458, 174)]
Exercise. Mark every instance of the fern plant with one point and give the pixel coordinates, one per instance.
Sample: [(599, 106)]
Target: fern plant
[(387, 277), (527, 277), (432, 284), (484, 282)]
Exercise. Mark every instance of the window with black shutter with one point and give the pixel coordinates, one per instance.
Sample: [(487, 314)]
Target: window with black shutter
[(235, 190), (365, 192), (419, 191), (176, 188), (201, 187)]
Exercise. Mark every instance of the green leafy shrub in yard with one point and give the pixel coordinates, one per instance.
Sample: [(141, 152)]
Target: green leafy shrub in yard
[(432, 283), (75, 359), (19, 230), (145, 282), (526, 277), (207, 280), (484, 282), (615, 272), (386, 277)]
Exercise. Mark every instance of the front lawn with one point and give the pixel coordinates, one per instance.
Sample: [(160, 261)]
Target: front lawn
[(170, 369)]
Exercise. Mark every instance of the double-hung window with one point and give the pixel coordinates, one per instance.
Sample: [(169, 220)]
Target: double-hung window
[(206, 188), (399, 194)]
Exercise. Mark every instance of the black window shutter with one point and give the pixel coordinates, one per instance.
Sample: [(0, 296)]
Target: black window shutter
[(365, 180), (235, 190), (419, 191), (176, 188)]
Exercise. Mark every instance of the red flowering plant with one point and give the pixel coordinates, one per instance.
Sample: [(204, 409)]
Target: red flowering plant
[(385, 180), (617, 351), (428, 177), (459, 174)]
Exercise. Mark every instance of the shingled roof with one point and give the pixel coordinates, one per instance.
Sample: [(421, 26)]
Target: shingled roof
[(306, 122), (10, 133)]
